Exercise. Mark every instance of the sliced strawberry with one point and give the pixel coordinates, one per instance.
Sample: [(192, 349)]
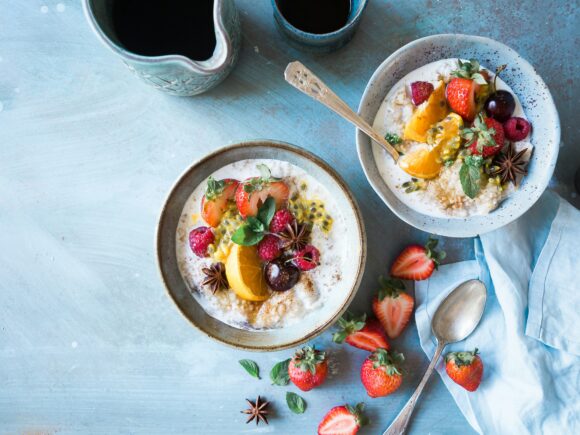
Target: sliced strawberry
[(392, 306), (361, 333), (215, 201), (343, 420), (420, 92), (460, 94), (249, 199), (417, 262)]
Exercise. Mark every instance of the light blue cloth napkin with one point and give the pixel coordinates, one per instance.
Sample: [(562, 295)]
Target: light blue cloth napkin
[(529, 337)]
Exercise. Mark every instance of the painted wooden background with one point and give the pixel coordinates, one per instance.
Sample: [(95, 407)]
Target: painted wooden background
[(89, 342)]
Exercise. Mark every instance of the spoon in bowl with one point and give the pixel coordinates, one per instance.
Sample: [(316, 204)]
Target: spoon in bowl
[(455, 319), (307, 82)]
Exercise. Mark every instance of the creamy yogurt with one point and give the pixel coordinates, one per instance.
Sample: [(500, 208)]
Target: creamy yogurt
[(395, 112), (281, 308)]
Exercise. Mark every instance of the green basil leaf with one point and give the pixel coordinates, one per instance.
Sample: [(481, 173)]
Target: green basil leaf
[(251, 367), (470, 178), (296, 403), (266, 211), (279, 373), (246, 236)]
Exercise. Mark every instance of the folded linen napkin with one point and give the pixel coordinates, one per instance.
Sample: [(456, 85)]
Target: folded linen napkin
[(529, 336)]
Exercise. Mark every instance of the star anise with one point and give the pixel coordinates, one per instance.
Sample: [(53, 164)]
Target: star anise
[(510, 164), (257, 410), (295, 236), (215, 277)]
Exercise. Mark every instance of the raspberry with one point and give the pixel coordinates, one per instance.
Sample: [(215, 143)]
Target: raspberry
[(307, 258), (280, 220), (269, 248), (199, 239), (420, 92), (516, 129)]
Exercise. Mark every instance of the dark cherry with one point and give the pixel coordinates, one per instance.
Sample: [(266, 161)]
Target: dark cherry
[(500, 105), (280, 275)]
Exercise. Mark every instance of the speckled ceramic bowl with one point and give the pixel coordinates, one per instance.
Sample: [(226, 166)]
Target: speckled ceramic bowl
[(275, 339), (325, 42), (525, 82)]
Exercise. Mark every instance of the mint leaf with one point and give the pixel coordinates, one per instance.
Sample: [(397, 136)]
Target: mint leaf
[(255, 224), (279, 373), (214, 188), (251, 367), (470, 178), (266, 211), (265, 173), (296, 403), (246, 236), (393, 139)]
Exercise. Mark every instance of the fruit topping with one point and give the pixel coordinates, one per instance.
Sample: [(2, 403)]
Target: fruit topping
[(446, 136), (281, 275), (471, 70), (254, 228), (253, 192), (465, 369), (420, 92), (422, 163), (269, 248), (509, 165), (460, 94), (308, 368), (282, 218), (343, 420), (361, 333), (434, 110), (417, 262), (244, 273), (307, 258), (215, 201), (380, 373), (500, 105), (199, 240), (485, 137), (392, 306), (215, 277), (295, 237), (516, 129)]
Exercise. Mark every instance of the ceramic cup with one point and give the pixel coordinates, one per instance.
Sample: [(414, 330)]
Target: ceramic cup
[(173, 73), (320, 43)]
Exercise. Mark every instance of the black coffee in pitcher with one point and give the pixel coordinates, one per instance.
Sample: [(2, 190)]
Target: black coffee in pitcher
[(316, 16)]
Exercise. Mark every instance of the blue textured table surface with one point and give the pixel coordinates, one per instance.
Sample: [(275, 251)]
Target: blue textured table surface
[(89, 341)]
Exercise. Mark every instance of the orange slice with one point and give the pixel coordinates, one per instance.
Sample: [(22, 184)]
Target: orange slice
[(245, 274), (423, 163), (446, 136), (427, 114)]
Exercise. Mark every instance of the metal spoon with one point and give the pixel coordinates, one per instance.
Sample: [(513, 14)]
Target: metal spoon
[(454, 320), (306, 81)]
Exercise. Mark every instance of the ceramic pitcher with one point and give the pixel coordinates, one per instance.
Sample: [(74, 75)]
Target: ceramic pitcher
[(172, 73)]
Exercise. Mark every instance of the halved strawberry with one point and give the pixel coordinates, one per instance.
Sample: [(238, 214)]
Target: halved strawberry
[(343, 420), (215, 201), (392, 306), (417, 262), (460, 94), (253, 192), (362, 333)]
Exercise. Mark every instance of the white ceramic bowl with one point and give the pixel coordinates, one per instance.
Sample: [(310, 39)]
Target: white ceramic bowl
[(536, 101)]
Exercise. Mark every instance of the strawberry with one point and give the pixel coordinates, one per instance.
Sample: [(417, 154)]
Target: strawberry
[(360, 332), (417, 262), (380, 373), (253, 192), (420, 92), (464, 368), (485, 137), (460, 94), (308, 368), (343, 420), (392, 306), (215, 201)]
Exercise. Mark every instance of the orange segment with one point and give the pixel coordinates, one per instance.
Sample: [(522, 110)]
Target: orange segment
[(427, 114), (446, 136), (245, 275), (422, 163)]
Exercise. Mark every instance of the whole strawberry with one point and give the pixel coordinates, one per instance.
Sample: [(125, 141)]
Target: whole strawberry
[(392, 306), (485, 137), (343, 420), (360, 332), (380, 373), (308, 368), (465, 369)]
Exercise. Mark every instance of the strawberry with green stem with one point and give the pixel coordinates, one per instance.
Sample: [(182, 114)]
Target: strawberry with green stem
[(253, 192), (465, 368), (360, 332), (417, 262), (381, 374), (308, 368), (343, 420), (392, 306)]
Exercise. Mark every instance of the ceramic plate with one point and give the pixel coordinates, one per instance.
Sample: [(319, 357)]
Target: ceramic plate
[(536, 101), (274, 339)]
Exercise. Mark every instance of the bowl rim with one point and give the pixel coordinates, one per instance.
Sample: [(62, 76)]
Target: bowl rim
[(456, 230), (268, 143)]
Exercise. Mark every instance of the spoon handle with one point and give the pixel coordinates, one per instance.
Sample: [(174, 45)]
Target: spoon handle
[(306, 81), (399, 424)]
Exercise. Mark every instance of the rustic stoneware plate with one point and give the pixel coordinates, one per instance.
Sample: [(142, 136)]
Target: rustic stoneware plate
[(525, 82), (275, 339)]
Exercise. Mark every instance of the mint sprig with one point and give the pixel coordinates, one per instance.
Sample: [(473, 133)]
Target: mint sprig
[(251, 367), (470, 175), (214, 188), (255, 228), (279, 373), (296, 403), (257, 183)]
